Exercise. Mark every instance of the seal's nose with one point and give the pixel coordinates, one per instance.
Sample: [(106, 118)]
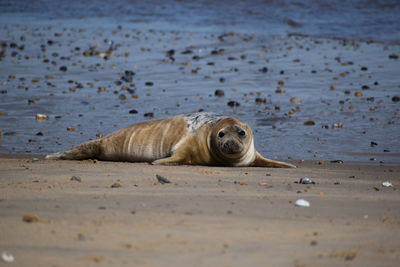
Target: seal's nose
[(231, 146)]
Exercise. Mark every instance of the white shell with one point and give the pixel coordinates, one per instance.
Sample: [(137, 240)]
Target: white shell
[(387, 184), (7, 256), (302, 203)]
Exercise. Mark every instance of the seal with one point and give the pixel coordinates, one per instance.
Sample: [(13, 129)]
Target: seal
[(194, 139)]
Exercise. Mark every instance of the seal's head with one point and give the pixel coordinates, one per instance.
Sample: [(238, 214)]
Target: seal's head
[(232, 140)]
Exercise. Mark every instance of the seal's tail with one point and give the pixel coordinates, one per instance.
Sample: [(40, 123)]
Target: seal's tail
[(89, 150)]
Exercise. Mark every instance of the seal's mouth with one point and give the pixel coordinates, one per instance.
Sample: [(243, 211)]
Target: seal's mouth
[(231, 147)]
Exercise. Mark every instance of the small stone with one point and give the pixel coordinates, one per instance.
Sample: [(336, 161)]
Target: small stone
[(116, 185), (70, 129), (281, 83), (393, 56), (219, 93), (133, 111), (373, 144), (162, 180), (364, 68), (265, 184), (41, 117), (264, 70), (333, 87), (337, 125), (233, 104), (309, 123), (149, 114), (63, 68), (306, 180), (76, 178), (122, 97), (149, 83), (396, 98), (295, 100), (7, 257), (30, 218), (358, 94), (302, 203), (260, 100), (387, 184)]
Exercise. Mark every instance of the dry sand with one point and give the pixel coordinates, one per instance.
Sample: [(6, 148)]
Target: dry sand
[(206, 216)]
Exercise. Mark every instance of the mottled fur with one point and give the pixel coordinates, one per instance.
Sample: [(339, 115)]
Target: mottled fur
[(195, 139)]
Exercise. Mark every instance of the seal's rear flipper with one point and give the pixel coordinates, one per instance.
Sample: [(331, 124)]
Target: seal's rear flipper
[(260, 161), (89, 150)]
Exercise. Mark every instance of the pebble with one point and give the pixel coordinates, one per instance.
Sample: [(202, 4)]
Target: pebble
[(260, 100), (41, 117), (396, 98), (149, 114), (233, 104), (162, 180), (306, 180), (337, 125), (63, 68), (76, 178), (133, 111), (358, 94), (7, 257), (116, 185), (30, 218), (219, 93), (309, 123), (302, 203), (295, 100), (387, 184)]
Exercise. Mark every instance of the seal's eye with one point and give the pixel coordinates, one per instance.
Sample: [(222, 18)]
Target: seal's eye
[(221, 134), (242, 133)]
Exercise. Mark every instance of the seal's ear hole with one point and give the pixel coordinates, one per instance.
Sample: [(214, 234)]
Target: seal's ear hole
[(242, 133), (221, 134)]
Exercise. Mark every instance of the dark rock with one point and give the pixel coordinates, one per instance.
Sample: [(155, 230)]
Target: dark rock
[(219, 93), (63, 68), (133, 111), (76, 178), (116, 185), (233, 104), (264, 70), (396, 98), (162, 180), (260, 100), (149, 114)]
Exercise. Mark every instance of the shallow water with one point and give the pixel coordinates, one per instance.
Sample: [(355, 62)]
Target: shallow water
[(206, 58)]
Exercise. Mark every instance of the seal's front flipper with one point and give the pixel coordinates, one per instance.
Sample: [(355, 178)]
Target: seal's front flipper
[(260, 161), (172, 160)]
